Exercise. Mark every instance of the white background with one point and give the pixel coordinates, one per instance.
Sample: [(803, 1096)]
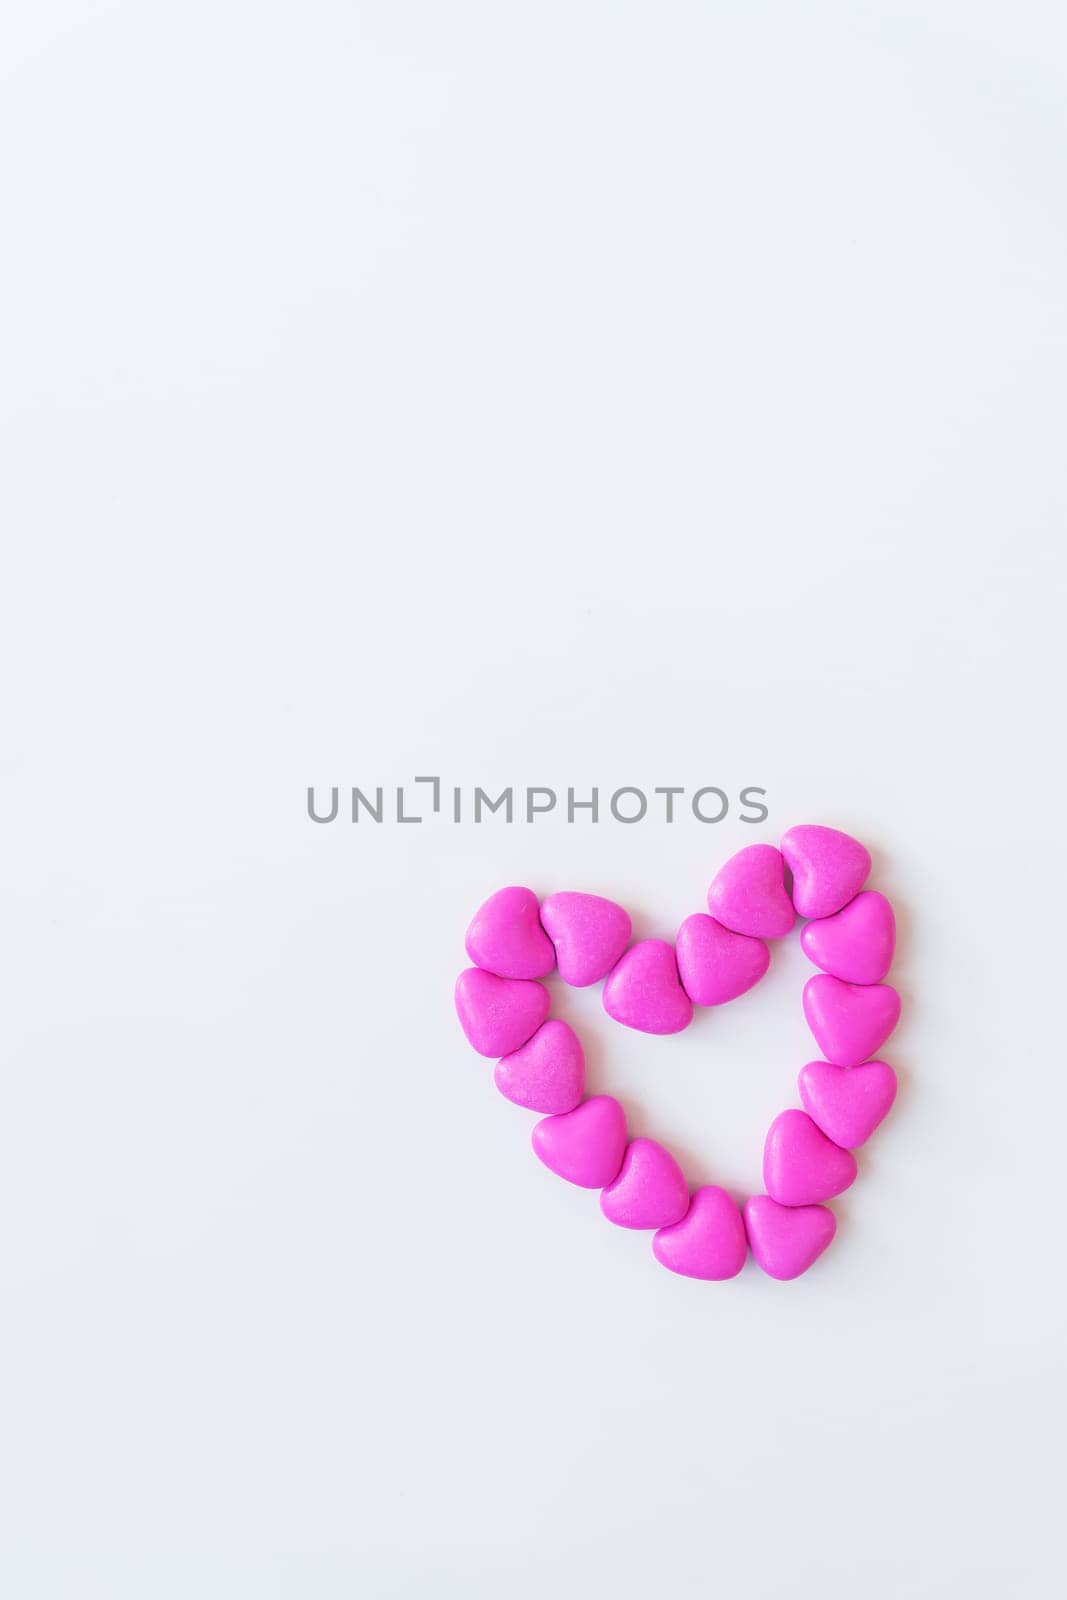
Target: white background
[(574, 393)]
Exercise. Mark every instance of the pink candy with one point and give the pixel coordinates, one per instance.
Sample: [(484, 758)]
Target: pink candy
[(709, 1242), (547, 1073), (716, 965), (828, 869), (847, 1103), (787, 1240), (855, 944), (748, 894), (652, 986), (499, 1014), (650, 1190), (645, 992), (850, 1021), (506, 937), (590, 934), (586, 1145), (801, 1166)]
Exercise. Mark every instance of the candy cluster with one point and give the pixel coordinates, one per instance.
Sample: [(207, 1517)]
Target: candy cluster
[(653, 986)]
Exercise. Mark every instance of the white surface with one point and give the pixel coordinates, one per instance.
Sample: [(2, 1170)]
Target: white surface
[(574, 393)]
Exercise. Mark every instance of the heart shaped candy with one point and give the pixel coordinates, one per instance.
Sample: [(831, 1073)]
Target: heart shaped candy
[(828, 868), (589, 933), (801, 1166), (644, 991), (847, 1103), (787, 1240), (747, 894), (505, 936), (716, 965), (850, 1021), (709, 1242), (547, 1073), (650, 1190), (585, 1145), (653, 987), (498, 1014), (857, 943)]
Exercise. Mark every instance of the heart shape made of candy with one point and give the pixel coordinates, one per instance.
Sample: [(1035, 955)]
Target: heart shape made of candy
[(653, 986)]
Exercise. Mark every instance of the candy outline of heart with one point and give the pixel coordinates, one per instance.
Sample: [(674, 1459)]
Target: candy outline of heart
[(789, 1226)]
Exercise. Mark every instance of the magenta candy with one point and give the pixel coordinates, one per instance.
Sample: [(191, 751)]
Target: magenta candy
[(498, 1014), (850, 1021), (716, 965), (787, 1240), (547, 1073), (847, 1103), (709, 1242), (505, 936), (589, 933), (650, 1190), (585, 1145), (856, 944), (644, 991), (828, 868), (801, 1166), (748, 894), (652, 986)]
